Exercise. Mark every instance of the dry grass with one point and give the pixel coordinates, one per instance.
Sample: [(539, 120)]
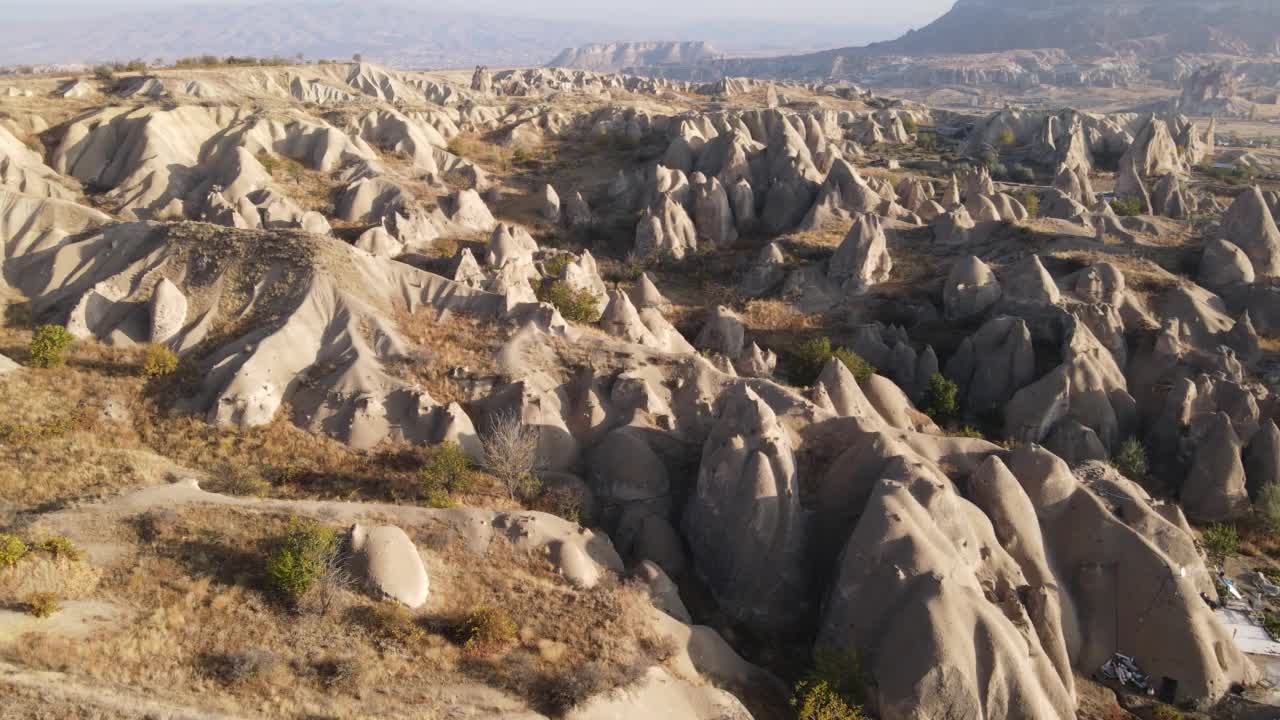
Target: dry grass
[(446, 342), (201, 629)]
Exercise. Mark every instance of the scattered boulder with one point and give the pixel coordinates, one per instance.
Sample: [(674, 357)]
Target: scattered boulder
[(393, 566)]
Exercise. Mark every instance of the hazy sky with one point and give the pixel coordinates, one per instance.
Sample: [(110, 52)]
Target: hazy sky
[(874, 12)]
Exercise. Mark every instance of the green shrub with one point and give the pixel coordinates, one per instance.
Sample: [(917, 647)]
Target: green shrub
[(299, 558), (940, 398), (1128, 206), (12, 549), (158, 361), (1166, 712), (574, 305), (487, 629), (49, 346), (60, 547), (969, 431), (1031, 201), (1220, 541), (104, 73), (1007, 137), (909, 124), (42, 605), (1267, 506), (1131, 460), (438, 498), (554, 266), (812, 355), (521, 156), (392, 622), (1271, 623), (447, 470), (835, 689)]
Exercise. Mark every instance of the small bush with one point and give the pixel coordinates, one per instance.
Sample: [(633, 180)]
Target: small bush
[(554, 266), (12, 549), (1128, 206), (488, 629), (574, 305), (104, 73), (339, 673), (940, 398), (521, 156), (456, 147), (909, 124), (969, 431), (1220, 541), (238, 667), (817, 700), (812, 355), (1020, 173), (300, 558), (49, 346), (1031, 201), (159, 361), (1267, 506), (1131, 460), (511, 453), (1271, 623), (60, 547), (448, 470), (234, 479), (43, 605), (391, 622), (1007, 137), (1166, 712)]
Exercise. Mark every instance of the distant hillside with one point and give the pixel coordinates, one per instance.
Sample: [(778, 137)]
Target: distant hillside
[(1146, 28), (381, 30), (614, 57)]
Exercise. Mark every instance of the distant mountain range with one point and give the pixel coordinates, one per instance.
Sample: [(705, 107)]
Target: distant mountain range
[(404, 36), (1084, 28)]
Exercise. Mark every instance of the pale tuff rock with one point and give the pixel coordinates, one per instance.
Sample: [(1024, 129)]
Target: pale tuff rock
[(583, 274), (621, 320), (1056, 204), (168, 311), (576, 212), (747, 488), (1037, 408), (951, 196), (1262, 458), (665, 231), (378, 242), (970, 290), (393, 566), (466, 270), (647, 296), (981, 209), (1250, 226), (550, 209), (1224, 263), (1129, 184), (1075, 185), (756, 362), (1214, 490), (1099, 394), (371, 199), (992, 364), (1030, 281), (713, 216), (1153, 153), (23, 171), (1194, 649), (924, 568), (468, 213), (1075, 443), (742, 201), (862, 259), (722, 333), (838, 391), (1169, 199), (954, 226), (510, 245), (1009, 207), (766, 273)]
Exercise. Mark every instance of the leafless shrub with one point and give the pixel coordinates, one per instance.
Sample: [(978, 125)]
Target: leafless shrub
[(511, 453), (238, 667), (332, 580)]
